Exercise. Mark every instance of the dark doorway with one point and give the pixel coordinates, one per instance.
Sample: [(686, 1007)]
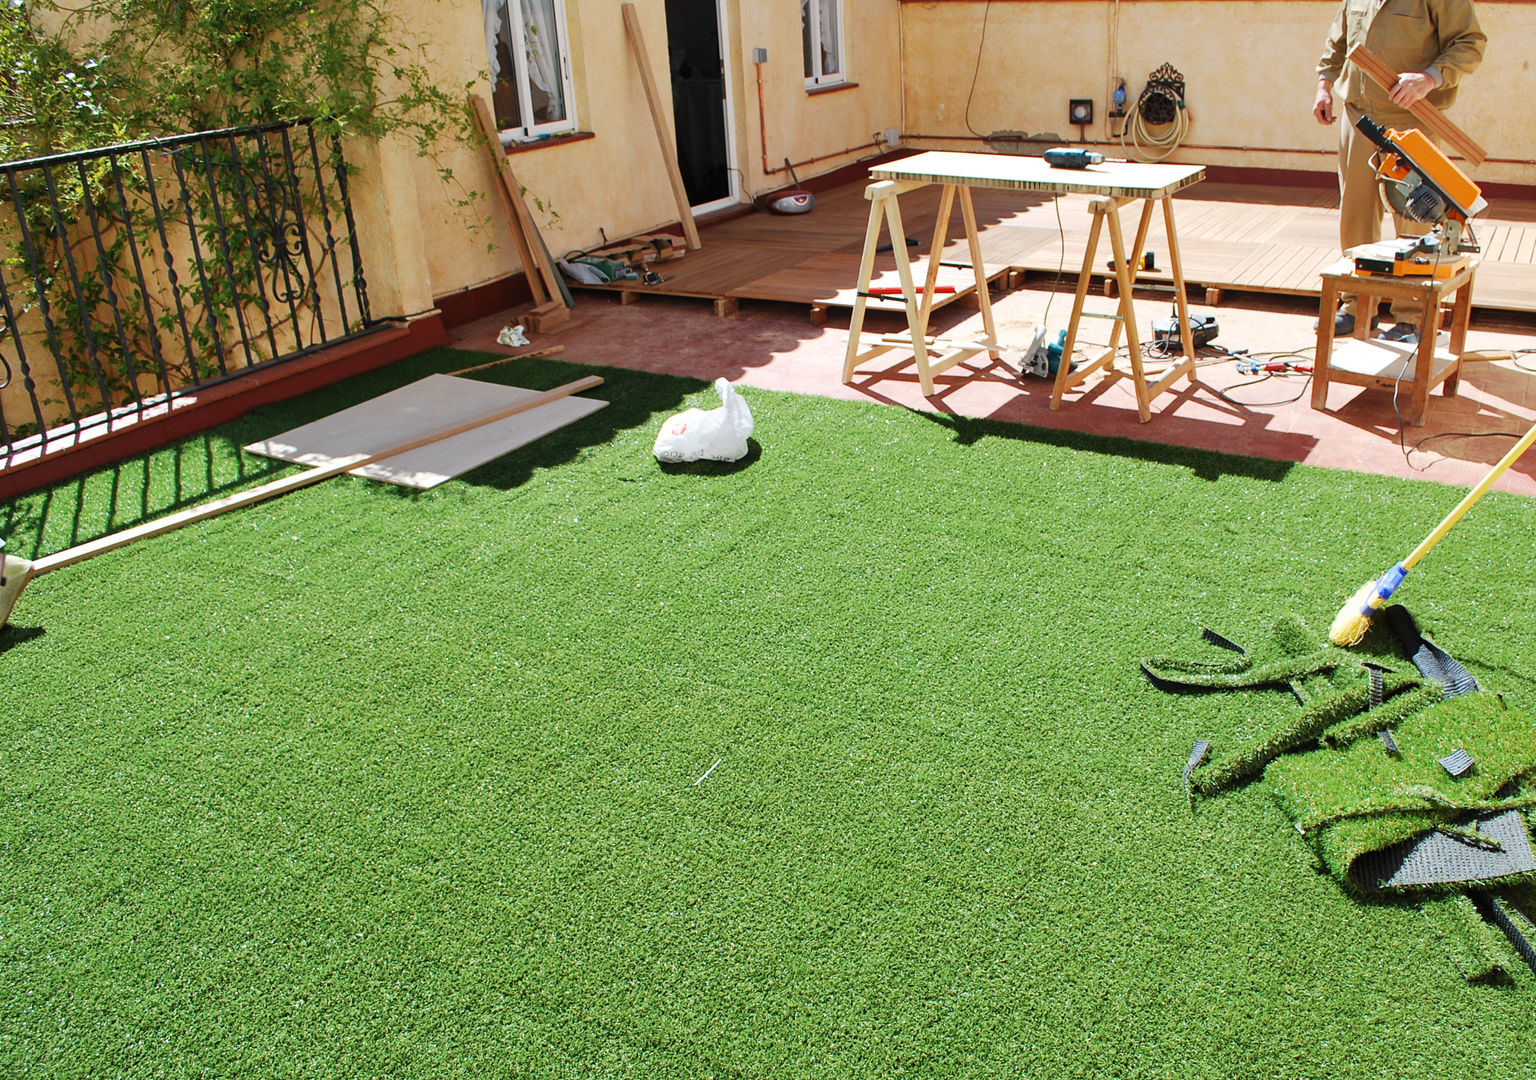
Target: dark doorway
[(698, 99)]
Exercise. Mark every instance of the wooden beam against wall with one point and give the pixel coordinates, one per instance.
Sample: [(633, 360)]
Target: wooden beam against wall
[(663, 126), (485, 123), (1429, 115), (550, 307)]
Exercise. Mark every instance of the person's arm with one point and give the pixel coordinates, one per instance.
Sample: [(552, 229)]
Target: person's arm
[(1334, 50), (1461, 50), (1462, 41), (1328, 68), (1411, 86), (1322, 105)]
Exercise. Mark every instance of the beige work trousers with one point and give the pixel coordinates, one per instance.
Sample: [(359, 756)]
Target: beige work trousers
[(1361, 205)]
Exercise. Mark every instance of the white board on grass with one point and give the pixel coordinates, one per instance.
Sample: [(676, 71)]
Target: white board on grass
[(419, 408)]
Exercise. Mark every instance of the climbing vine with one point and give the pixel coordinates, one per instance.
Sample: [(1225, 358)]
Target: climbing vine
[(83, 74), (96, 71)]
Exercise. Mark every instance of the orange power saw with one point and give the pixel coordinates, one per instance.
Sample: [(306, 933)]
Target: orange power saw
[(1422, 185)]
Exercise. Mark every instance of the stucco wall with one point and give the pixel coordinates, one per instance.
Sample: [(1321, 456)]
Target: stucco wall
[(1249, 70), (614, 183)]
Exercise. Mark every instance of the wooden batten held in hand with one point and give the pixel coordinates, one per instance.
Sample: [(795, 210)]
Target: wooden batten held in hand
[(1430, 116)]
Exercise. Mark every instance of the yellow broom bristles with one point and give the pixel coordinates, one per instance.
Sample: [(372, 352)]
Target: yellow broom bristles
[(1354, 618)]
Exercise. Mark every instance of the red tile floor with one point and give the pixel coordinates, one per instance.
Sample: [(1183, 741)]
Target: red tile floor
[(775, 346)]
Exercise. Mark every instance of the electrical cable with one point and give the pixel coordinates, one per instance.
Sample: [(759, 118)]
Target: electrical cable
[(1419, 446), (1114, 67), (1061, 263), (1434, 315), (1263, 378), (975, 71)]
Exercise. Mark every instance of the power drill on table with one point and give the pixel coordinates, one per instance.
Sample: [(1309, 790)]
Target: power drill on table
[(1066, 157)]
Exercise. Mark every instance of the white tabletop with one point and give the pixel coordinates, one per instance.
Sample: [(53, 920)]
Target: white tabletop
[(1119, 179)]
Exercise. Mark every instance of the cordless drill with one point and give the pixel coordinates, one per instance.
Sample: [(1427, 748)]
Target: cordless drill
[(1065, 157)]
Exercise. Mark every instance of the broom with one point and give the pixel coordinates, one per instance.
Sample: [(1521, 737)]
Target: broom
[(1354, 618)]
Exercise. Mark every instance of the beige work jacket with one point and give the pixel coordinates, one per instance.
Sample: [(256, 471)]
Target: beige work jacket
[(1409, 35)]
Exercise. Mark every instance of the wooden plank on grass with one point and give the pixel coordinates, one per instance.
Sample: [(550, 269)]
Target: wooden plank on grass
[(417, 409), (285, 484)]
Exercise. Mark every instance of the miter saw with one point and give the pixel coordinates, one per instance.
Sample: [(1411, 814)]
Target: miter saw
[(1420, 183)]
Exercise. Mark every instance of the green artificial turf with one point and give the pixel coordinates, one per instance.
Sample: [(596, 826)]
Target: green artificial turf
[(362, 782)]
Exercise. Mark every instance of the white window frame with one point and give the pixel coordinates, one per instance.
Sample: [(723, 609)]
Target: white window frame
[(529, 128), (811, 19)]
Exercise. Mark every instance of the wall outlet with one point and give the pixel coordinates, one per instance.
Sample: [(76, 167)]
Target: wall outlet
[(759, 56), (891, 136)]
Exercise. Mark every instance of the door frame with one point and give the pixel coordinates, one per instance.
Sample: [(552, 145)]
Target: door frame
[(732, 197)]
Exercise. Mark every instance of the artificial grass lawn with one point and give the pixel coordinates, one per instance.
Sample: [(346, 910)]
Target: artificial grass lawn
[(361, 782)]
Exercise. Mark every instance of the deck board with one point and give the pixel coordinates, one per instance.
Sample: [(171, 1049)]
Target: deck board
[(1237, 237)]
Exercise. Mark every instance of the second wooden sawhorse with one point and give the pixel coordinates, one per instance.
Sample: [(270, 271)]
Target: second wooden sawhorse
[(1112, 183)]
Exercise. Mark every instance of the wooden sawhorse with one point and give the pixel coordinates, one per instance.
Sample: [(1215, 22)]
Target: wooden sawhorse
[(1112, 183), (931, 355), (1108, 210)]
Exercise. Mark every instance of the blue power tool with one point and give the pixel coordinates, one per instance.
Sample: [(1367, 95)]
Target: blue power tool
[(1066, 157)]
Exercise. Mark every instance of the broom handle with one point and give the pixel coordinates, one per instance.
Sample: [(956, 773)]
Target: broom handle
[(111, 542), (1471, 497)]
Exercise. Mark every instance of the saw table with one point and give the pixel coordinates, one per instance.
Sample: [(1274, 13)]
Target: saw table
[(1114, 184), (1408, 372)]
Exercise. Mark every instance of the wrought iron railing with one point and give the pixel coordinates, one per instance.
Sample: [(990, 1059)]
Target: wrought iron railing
[(132, 273)]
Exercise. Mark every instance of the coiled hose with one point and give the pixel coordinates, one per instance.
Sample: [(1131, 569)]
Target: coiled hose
[(1160, 106)]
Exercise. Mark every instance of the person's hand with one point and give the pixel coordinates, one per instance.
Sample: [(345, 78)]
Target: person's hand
[(1322, 108), (1411, 86)]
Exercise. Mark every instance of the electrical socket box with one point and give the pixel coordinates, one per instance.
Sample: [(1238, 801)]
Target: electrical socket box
[(1080, 110), (759, 56), (891, 136)]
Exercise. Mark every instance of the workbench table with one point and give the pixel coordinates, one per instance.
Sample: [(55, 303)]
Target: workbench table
[(1114, 185), (1410, 371)]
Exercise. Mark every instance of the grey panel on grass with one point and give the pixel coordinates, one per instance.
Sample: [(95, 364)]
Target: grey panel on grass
[(1439, 858), (434, 403)]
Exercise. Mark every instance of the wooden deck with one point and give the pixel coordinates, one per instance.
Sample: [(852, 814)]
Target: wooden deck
[(1238, 237)]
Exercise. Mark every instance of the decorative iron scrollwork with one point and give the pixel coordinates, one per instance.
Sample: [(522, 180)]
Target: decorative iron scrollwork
[(281, 242)]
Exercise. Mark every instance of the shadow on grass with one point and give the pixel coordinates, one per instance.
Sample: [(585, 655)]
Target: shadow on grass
[(212, 465), (11, 636), (713, 468), (1205, 464)]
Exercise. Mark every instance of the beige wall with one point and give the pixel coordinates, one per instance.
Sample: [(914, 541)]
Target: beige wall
[(1248, 65), (614, 183), (1249, 70)]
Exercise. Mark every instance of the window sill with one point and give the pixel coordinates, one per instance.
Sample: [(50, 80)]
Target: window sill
[(816, 90), (547, 140)]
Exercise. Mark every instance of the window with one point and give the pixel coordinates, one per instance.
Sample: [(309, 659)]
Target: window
[(821, 37), (530, 69)]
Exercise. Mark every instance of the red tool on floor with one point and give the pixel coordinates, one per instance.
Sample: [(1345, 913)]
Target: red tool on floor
[(895, 290), (1254, 367)]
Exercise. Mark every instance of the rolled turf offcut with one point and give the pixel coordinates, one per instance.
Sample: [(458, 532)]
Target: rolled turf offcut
[(1359, 799)]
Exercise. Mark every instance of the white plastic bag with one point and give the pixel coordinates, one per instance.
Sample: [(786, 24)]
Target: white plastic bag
[(707, 434)]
